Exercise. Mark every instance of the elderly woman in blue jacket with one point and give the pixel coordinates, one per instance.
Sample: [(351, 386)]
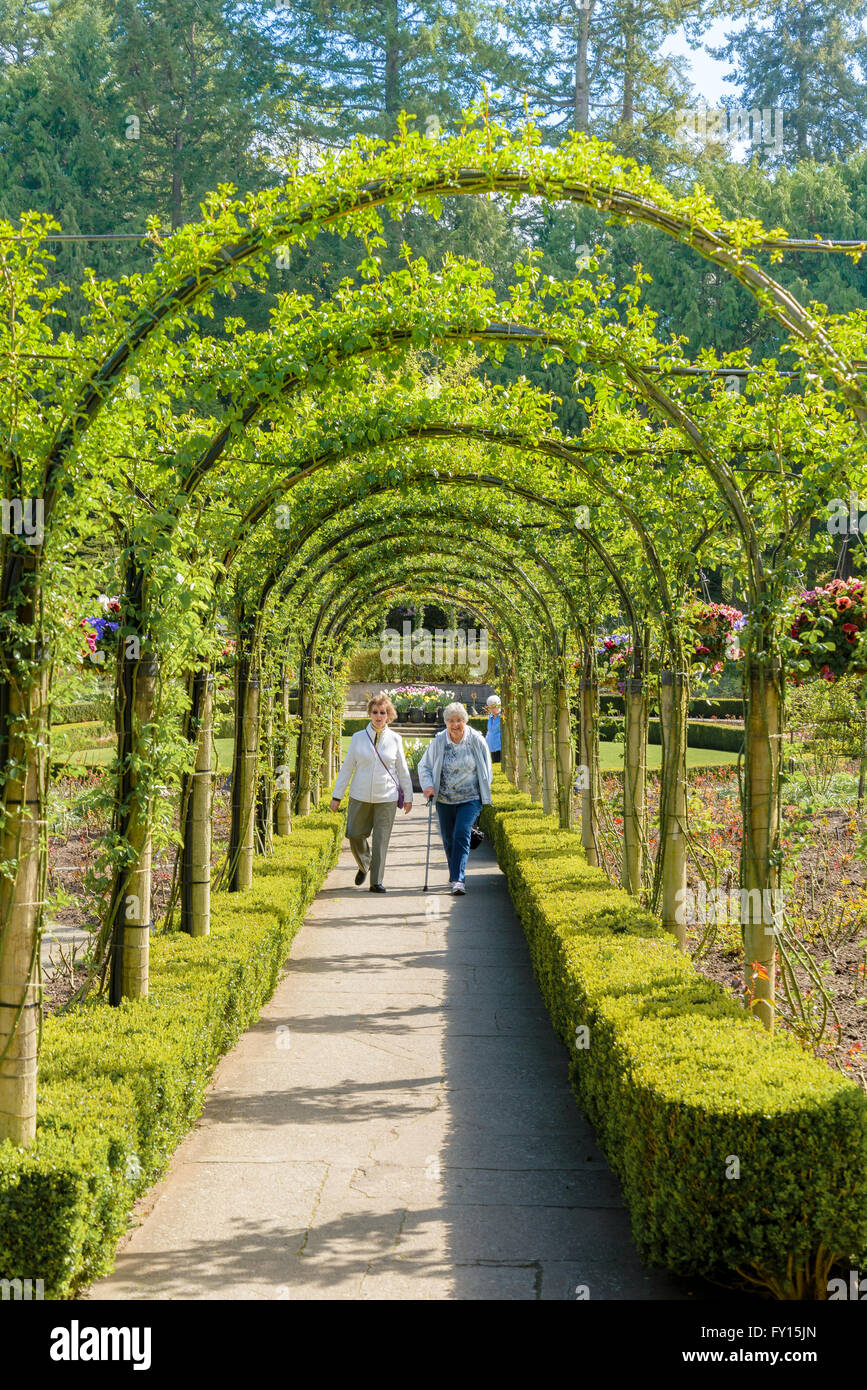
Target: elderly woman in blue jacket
[(456, 770)]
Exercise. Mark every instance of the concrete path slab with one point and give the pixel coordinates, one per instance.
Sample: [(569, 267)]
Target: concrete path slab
[(397, 1125)]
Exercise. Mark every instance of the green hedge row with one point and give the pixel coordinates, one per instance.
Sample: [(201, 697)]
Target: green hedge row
[(352, 726), (702, 707), (679, 1081), (721, 736), (119, 1087), (83, 711)]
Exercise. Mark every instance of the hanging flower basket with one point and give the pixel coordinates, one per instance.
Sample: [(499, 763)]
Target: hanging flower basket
[(827, 638), (713, 630), (614, 661), (101, 631)]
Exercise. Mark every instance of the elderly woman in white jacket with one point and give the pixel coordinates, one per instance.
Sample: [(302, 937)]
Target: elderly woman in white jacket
[(375, 764), (456, 769)]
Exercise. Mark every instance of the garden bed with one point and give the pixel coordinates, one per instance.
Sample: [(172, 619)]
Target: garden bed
[(679, 1081)]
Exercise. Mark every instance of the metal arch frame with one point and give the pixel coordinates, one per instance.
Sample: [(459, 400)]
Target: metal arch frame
[(484, 481), (713, 246)]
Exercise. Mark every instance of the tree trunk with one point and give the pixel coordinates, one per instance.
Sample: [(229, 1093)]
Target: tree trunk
[(283, 793), (245, 765), (196, 848), (673, 705), (265, 779), (131, 898), (581, 118), (305, 752), (589, 771), (508, 759), (23, 730), (759, 867), (537, 736), (565, 770), (524, 757), (635, 787), (549, 774)]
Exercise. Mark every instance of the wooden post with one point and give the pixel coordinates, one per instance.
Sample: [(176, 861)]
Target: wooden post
[(565, 770), (265, 779), (196, 848), (537, 743), (549, 775), (634, 787), (131, 899), (304, 753), (24, 742), (282, 779), (589, 736), (673, 822), (244, 768), (760, 896), (523, 739)]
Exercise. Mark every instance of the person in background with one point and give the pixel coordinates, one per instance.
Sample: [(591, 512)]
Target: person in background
[(375, 763), (494, 735), (456, 769)]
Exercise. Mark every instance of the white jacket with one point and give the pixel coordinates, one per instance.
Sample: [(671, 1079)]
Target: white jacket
[(361, 766)]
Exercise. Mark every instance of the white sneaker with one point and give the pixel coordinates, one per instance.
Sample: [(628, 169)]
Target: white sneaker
[(458, 889)]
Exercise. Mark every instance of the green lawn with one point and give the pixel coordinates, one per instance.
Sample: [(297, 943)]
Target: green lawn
[(611, 757)]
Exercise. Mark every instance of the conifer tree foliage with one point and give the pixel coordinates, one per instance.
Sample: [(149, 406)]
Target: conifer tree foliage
[(359, 63), (808, 57)]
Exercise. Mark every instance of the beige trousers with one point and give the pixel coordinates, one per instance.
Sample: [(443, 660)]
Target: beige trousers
[(374, 819)]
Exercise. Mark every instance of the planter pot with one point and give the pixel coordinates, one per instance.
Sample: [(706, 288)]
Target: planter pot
[(430, 716), (416, 716), (416, 784)]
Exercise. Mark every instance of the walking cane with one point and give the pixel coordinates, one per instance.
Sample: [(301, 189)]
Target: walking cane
[(427, 860)]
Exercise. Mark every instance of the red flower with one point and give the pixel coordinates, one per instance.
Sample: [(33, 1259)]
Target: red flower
[(851, 631), (843, 603)]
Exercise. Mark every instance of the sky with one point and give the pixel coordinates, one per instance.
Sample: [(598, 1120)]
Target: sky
[(707, 75)]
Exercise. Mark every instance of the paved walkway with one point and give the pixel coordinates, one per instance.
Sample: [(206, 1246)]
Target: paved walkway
[(397, 1125)]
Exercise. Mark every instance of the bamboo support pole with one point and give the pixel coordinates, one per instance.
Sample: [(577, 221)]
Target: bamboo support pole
[(132, 923), (196, 850), (565, 770), (589, 740), (523, 740), (283, 794), (549, 771), (265, 778), (536, 743), (759, 870), (24, 707), (304, 752), (634, 787), (244, 774), (673, 817)]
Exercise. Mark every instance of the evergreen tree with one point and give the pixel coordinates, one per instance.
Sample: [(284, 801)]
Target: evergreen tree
[(810, 59), (359, 63)]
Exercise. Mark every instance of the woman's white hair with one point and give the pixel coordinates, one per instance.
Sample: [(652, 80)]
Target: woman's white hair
[(455, 711)]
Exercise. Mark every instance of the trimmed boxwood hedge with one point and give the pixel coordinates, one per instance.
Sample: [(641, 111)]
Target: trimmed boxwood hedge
[(678, 1080), (119, 1087), (728, 738), (701, 707)]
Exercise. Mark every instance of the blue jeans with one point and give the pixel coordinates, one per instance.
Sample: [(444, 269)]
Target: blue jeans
[(456, 821)]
